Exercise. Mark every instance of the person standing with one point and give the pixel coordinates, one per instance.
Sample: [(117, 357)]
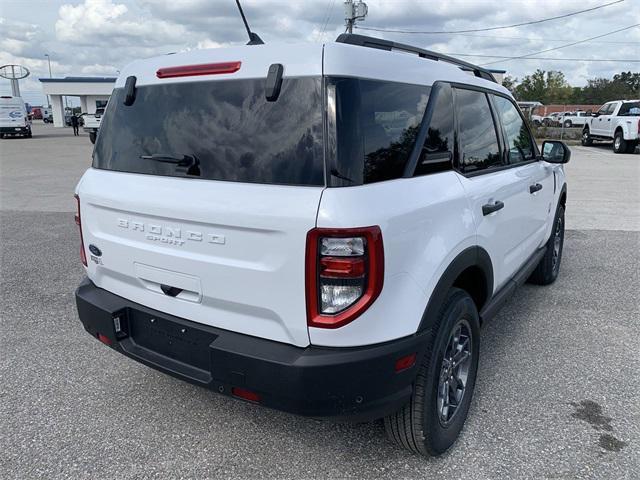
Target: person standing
[(74, 124)]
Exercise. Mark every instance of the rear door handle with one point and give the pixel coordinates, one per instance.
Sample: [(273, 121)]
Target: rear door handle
[(535, 188), (492, 207)]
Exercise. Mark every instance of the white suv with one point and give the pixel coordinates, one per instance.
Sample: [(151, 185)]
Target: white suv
[(320, 229)]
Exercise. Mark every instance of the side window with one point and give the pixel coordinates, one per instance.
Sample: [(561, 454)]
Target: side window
[(606, 109), (517, 137), (479, 147), (437, 150)]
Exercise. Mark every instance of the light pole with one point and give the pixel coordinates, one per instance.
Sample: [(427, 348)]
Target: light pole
[(49, 60)]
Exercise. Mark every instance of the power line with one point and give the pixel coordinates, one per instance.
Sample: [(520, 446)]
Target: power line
[(545, 58), (329, 17), (568, 44), (324, 20), (493, 28), (504, 37)]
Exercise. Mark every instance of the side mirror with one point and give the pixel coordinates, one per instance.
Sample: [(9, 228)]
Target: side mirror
[(595, 114), (554, 151)]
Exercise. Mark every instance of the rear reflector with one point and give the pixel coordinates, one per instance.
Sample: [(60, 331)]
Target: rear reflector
[(83, 255), (245, 394), (104, 339), (405, 362), (201, 69)]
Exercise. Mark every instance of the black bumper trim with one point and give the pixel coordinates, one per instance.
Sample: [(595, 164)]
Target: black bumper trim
[(355, 383)]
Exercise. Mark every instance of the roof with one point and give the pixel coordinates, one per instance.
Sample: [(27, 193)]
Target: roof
[(311, 59), (79, 80)]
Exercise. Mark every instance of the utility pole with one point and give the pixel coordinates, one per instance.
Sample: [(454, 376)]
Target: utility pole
[(354, 11), (49, 59)]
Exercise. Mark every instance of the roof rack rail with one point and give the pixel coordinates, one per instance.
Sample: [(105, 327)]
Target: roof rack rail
[(382, 44)]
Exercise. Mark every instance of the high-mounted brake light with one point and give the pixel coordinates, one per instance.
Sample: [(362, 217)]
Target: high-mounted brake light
[(83, 255), (344, 274), (201, 69)]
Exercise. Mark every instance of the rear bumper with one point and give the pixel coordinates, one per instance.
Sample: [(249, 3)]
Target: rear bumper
[(15, 130), (356, 383)]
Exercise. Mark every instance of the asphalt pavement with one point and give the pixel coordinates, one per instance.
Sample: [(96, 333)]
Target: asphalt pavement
[(557, 394)]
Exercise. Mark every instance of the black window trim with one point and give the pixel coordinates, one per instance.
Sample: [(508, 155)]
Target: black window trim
[(487, 91), (412, 163)]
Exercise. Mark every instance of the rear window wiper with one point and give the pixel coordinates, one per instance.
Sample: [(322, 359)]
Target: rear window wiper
[(183, 161), (190, 161)]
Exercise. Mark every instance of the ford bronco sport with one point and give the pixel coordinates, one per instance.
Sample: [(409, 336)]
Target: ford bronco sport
[(320, 229)]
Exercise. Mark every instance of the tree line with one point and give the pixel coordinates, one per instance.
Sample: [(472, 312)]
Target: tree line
[(551, 87)]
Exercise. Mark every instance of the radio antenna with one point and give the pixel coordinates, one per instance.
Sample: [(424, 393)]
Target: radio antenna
[(254, 39)]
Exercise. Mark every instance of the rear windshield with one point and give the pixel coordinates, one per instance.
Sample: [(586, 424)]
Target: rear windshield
[(630, 108), (221, 130), (373, 127)]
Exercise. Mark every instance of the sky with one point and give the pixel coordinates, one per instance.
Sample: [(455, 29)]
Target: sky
[(99, 37)]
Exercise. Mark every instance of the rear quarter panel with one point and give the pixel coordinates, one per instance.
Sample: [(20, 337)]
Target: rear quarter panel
[(426, 222)]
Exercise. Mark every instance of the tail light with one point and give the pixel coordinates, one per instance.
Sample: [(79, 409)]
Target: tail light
[(83, 255), (344, 274)]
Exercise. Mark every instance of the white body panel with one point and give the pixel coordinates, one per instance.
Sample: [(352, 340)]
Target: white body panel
[(605, 125), (236, 250), (13, 113), (425, 223), (511, 234)]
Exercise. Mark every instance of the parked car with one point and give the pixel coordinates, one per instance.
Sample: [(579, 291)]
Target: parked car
[(308, 229), (91, 123), (618, 121), (14, 120), (553, 119), (575, 119)]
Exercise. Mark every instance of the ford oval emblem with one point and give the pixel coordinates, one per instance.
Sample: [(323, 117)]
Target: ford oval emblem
[(95, 250)]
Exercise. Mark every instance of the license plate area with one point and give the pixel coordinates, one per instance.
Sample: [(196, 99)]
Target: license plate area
[(179, 341)]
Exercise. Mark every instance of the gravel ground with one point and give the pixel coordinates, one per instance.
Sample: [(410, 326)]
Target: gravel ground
[(557, 392)]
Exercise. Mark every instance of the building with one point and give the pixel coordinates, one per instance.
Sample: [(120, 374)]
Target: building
[(94, 92)]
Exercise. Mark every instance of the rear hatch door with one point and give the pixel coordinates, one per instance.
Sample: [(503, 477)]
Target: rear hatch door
[(201, 196)]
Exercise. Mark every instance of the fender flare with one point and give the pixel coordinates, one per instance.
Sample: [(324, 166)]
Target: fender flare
[(475, 256)]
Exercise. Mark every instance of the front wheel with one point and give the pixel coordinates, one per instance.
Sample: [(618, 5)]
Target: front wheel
[(568, 124), (547, 270), (434, 416), (586, 140)]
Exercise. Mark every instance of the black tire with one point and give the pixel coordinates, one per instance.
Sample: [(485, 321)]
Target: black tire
[(547, 270), (419, 425), (619, 143), (1, 135), (92, 137), (631, 147), (586, 139), (568, 124)]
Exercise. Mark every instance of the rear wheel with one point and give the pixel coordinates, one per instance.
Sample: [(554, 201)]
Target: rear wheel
[(434, 416), (547, 270), (586, 140), (619, 143)]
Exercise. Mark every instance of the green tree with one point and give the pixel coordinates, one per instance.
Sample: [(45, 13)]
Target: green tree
[(546, 87)]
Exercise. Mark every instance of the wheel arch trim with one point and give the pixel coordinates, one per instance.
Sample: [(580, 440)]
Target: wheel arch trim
[(474, 256)]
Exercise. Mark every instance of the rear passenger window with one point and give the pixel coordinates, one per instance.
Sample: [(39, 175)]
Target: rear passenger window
[(437, 151), (517, 138), (377, 123), (478, 139)]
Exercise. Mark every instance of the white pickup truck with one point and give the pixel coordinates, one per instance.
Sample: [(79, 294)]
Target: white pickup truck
[(92, 123), (618, 121)]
